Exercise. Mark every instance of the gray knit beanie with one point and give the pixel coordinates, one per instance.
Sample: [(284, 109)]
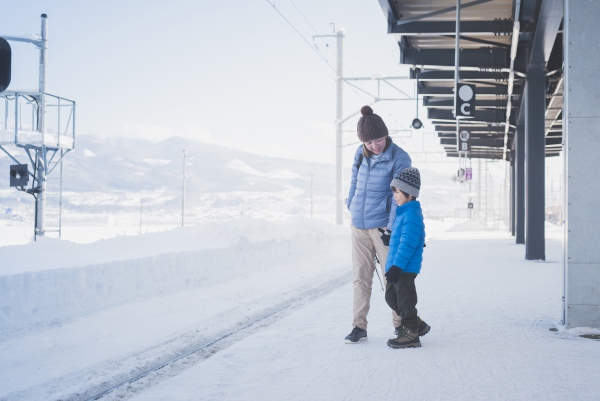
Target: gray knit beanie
[(370, 126), (409, 181)]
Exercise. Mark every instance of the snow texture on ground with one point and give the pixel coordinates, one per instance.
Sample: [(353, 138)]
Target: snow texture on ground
[(490, 312), (79, 354)]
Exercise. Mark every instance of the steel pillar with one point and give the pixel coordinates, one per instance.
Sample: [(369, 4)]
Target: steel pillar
[(581, 259), (520, 184), (40, 219), (512, 195), (535, 162)]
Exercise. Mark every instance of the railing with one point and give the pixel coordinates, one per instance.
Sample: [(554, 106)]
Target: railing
[(22, 121)]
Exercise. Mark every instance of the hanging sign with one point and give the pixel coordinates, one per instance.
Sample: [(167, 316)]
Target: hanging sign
[(469, 173), (464, 140), (464, 101)]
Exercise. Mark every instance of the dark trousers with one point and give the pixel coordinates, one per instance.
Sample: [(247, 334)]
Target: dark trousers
[(402, 298)]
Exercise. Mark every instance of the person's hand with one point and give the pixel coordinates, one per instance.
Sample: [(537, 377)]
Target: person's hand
[(393, 275), (385, 236)]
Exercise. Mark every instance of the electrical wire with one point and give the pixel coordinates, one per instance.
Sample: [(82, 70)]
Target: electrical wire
[(308, 43), (318, 53), (299, 34)]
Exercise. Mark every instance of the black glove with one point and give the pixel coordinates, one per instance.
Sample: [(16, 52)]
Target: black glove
[(393, 275), (385, 237)]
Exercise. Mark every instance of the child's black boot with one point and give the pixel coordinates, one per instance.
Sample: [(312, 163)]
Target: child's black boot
[(423, 328), (406, 339)]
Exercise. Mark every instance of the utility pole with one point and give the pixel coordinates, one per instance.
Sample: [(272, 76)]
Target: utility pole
[(37, 150), (339, 204), (140, 216), (311, 195), (183, 192), (338, 129), (40, 228), (457, 76)]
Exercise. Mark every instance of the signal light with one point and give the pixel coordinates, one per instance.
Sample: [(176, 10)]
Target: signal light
[(19, 175), (5, 60)]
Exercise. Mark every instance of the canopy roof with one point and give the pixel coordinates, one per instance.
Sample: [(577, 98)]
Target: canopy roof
[(489, 58)]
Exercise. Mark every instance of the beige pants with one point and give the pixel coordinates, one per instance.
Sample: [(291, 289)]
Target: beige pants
[(365, 244)]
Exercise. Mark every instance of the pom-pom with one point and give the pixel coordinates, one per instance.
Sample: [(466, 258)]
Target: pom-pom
[(366, 111)]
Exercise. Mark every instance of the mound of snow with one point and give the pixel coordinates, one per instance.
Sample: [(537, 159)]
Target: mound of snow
[(51, 281)]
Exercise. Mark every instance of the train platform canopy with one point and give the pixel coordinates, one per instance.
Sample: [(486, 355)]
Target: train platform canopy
[(500, 40)]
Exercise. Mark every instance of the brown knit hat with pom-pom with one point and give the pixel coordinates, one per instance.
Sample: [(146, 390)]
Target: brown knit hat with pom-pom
[(370, 126)]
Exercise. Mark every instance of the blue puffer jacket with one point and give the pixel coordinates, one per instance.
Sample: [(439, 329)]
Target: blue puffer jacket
[(408, 237), (370, 199)]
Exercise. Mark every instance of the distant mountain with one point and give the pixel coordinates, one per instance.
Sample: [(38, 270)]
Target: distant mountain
[(106, 176)]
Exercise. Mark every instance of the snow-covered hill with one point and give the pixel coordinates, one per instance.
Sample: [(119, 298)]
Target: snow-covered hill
[(106, 179)]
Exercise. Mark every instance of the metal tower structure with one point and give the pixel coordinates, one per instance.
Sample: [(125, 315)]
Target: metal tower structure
[(45, 140)]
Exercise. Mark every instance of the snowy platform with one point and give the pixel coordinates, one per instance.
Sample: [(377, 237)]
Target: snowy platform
[(490, 312), (76, 328)]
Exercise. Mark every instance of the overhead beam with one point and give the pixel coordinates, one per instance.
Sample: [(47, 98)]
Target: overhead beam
[(476, 131), (481, 91), (551, 14), (440, 12), (472, 155), (464, 75), (476, 40), (484, 142), (487, 115), (493, 58), (479, 104), (390, 11), (496, 142), (437, 28)]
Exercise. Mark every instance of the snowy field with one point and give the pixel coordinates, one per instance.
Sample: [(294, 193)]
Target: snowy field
[(100, 313)]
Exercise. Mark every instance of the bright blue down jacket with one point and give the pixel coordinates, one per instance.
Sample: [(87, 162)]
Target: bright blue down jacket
[(370, 199), (408, 237)]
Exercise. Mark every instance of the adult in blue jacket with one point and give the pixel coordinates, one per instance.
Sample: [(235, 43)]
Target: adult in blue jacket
[(376, 162)]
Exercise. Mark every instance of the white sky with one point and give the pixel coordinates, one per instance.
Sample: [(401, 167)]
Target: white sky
[(232, 73)]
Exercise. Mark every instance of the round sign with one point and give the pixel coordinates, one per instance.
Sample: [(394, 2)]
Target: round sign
[(466, 93), (464, 135)]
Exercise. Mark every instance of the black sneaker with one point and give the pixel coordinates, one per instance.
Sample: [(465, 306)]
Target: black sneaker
[(423, 328), (356, 336)]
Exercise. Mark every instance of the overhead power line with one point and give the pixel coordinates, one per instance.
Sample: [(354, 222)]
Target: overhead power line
[(309, 44), (299, 34)]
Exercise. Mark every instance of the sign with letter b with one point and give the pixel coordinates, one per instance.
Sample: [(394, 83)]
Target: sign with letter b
[(464, 140)]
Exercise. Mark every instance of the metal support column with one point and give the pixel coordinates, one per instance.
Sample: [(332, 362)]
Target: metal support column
[(520, 183), (581, 259), (41, 152), (535, 162), (457, 75), (512, 195)]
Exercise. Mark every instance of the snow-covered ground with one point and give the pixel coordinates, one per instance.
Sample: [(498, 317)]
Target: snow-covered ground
[(491, 313), (100, 313)]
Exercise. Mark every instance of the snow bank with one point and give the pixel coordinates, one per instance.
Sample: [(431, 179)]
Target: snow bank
[(52, 281)]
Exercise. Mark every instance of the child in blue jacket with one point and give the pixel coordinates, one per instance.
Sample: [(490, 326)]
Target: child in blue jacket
[(405, 258)]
